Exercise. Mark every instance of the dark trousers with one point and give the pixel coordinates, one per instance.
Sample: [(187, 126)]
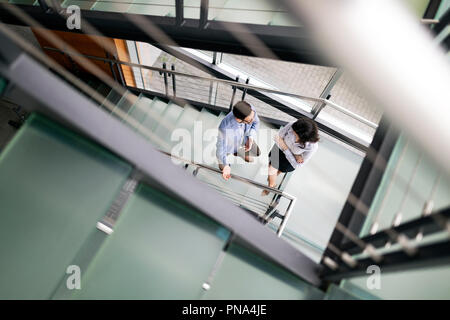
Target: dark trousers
[(253, 152)]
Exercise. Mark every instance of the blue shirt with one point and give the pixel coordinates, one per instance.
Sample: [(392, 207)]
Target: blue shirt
[(233, 135)]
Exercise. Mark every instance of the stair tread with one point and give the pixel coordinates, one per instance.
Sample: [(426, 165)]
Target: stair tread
[(167, 125), (113, 97), (185, 138), (125, 103), (154, 114), (140, 108)]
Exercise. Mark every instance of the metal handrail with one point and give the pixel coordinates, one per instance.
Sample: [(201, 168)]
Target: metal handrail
[(349, 113), (234, 176), (254, 202), (429, 21), (229, 82), (292, 199)]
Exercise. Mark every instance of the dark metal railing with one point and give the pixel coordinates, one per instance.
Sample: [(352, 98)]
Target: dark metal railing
[(234, 84), (279, 193)]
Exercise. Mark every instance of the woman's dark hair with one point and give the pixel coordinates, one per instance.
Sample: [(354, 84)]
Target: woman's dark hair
[(306, 130), (242, 110)]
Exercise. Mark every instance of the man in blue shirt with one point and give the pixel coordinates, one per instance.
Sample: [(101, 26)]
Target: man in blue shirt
[(237, 135)]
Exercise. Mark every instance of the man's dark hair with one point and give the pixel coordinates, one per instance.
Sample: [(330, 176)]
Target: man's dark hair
[(306, 130), (241, 110)]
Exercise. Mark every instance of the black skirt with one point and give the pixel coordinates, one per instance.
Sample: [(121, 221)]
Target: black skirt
[(279, 161)]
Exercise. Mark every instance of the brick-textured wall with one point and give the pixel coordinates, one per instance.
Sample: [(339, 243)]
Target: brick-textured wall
[(308, 80)]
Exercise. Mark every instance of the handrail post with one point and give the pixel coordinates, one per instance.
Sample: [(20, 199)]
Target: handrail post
[(328, 88), (286, 217), (195, 172), (179, 12), (111, 66), (279, 194), (268, 215), (211, 86), (166, 85), (276, 198), (204, 6), (318, 109), (234, 93), (174, 85), (245, 90), (119, 68)]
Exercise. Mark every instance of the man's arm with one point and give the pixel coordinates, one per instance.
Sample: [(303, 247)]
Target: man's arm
[(221, 153), (221, 147)]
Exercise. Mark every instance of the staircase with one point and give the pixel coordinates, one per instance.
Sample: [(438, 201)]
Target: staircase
[(163, 123), (55, 187)]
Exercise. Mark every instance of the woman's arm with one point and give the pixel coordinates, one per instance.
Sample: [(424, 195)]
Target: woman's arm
[(288, 153), (308, 154), (292, 159)]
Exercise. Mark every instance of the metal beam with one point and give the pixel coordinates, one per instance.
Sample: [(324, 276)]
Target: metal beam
[(444, 21), (179, 12), (327, 91), (204, 9), (432, 9), (216, 36), (426, 225), (446, 42), (431, 255), (365, 185)]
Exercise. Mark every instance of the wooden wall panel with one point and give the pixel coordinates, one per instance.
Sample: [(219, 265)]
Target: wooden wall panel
[(122, 54), (84, 44)]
